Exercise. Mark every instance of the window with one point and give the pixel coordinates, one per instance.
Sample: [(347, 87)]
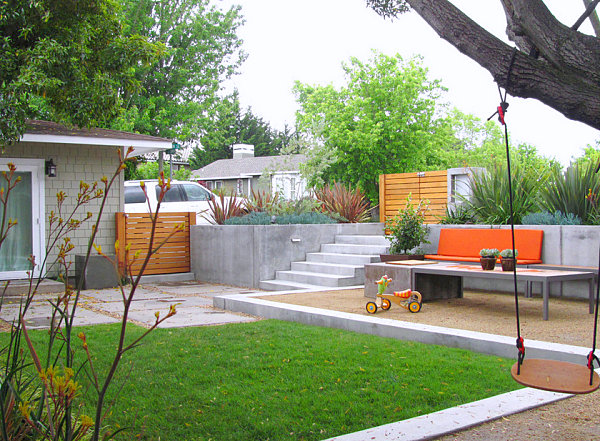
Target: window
[(195, 193), (218, 185), (173, 195), (240, 186), (134, 195)]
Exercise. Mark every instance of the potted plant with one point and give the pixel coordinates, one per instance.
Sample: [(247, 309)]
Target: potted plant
[(406, 231), (488, 258), (507, 260)]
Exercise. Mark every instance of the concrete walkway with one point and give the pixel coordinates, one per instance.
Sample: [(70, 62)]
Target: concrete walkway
[(193, 300)]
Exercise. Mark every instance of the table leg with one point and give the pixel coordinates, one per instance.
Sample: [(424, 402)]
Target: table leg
[(546, 294)]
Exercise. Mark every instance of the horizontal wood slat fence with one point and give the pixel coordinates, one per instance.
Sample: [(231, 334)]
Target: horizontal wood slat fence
[(431, 186), (172, 257)]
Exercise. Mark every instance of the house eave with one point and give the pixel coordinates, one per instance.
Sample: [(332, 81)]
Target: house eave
[(140, 147)]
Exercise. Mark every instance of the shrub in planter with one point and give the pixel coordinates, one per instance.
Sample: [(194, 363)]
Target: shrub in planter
[(407, 230), (488, 258), (546, 218), (507, 260)]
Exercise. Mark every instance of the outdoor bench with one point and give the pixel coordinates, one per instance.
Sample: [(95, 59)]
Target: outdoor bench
[(464, 244)]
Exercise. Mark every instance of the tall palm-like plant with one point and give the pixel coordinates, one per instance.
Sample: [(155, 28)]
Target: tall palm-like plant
[(574, 191), (490, 194)]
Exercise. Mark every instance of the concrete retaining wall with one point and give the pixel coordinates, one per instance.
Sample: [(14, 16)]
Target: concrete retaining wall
[(243, 255)]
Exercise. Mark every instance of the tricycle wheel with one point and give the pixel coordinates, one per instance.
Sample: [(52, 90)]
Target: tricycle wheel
[(371, 307), (385, 304), (414, 306)]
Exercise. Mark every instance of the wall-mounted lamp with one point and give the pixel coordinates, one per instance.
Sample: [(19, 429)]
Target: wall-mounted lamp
[(50, 169)]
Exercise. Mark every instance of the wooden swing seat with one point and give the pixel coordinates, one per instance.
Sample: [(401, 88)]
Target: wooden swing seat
[(555, 376)]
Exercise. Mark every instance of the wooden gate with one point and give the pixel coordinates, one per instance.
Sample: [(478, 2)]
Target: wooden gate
[(431, 186), (134, 229)]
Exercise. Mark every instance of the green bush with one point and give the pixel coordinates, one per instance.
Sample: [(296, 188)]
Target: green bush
[(407, 229), (262, 218), (546, 218), (490, 194)]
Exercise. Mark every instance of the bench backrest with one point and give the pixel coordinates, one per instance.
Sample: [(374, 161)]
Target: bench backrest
[(467, 242)]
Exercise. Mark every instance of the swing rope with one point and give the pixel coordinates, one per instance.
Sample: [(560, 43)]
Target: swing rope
[(592, 355), (501, 112)]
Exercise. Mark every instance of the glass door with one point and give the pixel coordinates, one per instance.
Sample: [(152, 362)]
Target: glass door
[(25, 206)]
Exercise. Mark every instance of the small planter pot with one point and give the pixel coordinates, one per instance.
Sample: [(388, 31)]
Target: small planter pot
[(394, 257), (488, 263), (508, 263)]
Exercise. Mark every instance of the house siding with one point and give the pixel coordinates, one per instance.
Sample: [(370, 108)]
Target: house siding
[(76, 163)]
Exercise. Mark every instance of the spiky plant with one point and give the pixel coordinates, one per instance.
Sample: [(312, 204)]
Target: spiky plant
[(351, 205), (262, 201), (224, 207), (574, 191), (489, 200)]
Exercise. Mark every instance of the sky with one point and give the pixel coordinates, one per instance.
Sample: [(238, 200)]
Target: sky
[(308, 40)]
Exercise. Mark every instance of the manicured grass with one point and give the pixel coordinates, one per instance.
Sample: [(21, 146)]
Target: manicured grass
[(273, 380)]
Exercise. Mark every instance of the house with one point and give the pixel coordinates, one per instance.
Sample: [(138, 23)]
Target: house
[(51, 158), (245, 173)]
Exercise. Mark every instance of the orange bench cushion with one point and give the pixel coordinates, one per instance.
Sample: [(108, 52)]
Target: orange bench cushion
[(465, 244)]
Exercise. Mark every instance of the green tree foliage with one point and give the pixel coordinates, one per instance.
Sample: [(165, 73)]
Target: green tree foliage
[(180, 91), (233, 126), (68, 60), (470, 142), (381, 121), (149, 170)]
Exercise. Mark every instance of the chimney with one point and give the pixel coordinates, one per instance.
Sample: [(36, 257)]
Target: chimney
[(243, 151)]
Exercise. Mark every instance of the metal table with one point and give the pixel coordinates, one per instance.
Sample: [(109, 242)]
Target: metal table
[(528, 275)]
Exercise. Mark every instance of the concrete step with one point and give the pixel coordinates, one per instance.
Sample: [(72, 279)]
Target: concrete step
[(329, 268), (353, 248), (320, 279), (285, 285), (362, 240), (347, 259)]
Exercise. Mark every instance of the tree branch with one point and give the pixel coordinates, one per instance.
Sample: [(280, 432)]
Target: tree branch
[(559, 44), (571, 92), (589, 9), (593, 18)]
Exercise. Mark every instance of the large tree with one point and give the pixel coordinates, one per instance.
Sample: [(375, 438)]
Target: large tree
[(181, 91), (65, 60), (382, 121), (230, 125), (552, 62)]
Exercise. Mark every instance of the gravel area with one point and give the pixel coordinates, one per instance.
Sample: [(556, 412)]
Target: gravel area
[(575, 418)]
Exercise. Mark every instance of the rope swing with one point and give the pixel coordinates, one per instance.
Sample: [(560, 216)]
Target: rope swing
[(551, 375)]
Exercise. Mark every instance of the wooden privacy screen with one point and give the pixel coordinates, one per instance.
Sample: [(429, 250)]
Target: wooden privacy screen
[(431, 186), (172, 257)]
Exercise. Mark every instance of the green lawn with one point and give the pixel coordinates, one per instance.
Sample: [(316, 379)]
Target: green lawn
[(273, 380)]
